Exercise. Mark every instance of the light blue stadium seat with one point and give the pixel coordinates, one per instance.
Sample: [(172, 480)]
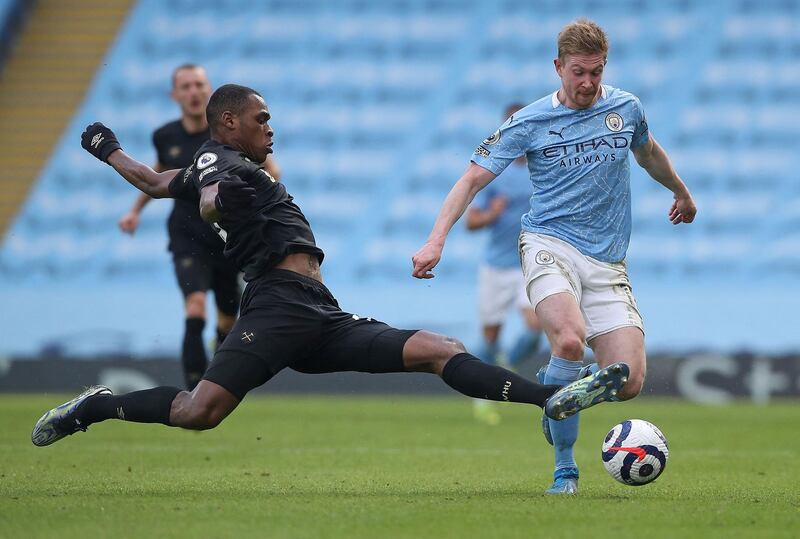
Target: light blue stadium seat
[(377, 107), (362, 113)]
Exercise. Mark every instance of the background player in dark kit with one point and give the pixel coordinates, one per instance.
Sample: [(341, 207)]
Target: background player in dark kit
[(288, 317)]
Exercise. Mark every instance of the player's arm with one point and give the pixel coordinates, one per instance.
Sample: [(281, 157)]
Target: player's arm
[(130, 221), (652, 157), (208, 208), (101, 142), (474, 179), (478, 218), (148, 181)]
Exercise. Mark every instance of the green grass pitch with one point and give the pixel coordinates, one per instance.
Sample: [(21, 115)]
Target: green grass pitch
[(381, 467)]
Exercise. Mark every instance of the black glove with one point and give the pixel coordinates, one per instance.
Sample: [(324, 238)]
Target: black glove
[(100, 141), (233, 195)]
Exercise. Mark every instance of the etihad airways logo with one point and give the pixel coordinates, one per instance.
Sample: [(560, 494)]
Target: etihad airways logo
[(593, 145), (599, 150)]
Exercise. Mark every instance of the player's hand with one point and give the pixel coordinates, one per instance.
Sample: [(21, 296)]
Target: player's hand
[(683, 210), (233, 195), (100, 141), (425, 260), (129, 222), (497, 206)]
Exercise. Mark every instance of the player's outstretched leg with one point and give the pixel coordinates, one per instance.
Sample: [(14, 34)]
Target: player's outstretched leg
[(203, 408), (602, 386), (468, 375), (447, 357)]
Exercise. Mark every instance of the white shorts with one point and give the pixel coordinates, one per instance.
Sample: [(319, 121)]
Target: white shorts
[(498, 290), (602, 290)]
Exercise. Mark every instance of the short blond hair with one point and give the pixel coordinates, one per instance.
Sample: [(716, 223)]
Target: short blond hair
[(582, 37)]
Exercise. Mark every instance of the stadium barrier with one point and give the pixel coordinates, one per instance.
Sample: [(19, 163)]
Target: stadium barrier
[(709, 378)]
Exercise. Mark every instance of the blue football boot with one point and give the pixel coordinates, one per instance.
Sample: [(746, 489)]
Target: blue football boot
[(61, 421), (565, 482), (584, 393)]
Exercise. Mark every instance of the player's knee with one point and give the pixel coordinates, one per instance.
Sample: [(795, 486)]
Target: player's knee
[(448, 348), (567, 344), (429, 352), (205, 422), (453, 347), (206, 417), (196, 305), (491, 333)]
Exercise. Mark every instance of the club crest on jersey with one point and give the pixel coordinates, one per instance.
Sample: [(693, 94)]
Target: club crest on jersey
[(614, 121), (493, 138), (209, 158), (544, 258), (174, 152)]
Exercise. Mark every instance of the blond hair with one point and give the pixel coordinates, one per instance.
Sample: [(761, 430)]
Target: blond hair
[(582, 37)]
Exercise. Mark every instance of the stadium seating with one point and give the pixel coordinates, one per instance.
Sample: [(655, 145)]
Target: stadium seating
[(377, 107)]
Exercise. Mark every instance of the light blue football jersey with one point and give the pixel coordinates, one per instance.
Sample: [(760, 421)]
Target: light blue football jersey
[(579, 167), (502, 244)]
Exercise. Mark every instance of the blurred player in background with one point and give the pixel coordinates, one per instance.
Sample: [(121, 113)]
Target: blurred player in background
[(288, 317), (197, 250), (501, 286), (575, 236)]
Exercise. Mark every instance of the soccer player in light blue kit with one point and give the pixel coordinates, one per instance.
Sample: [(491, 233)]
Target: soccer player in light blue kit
[(575, 236), (501, 285)]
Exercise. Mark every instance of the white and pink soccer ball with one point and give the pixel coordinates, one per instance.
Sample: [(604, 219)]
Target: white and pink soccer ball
[(635, 452)]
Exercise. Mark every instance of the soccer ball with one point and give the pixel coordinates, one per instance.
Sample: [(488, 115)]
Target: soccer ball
[(635, 452)]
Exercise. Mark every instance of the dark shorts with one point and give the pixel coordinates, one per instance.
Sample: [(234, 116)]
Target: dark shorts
[(203, 272), (289, 320)]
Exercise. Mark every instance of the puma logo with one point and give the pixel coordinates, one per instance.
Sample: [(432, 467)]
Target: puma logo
[(506, 387), (557, 133)]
